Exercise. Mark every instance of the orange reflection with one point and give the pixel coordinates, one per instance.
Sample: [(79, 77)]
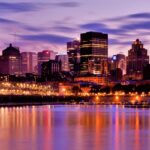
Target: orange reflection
[(74, 127)]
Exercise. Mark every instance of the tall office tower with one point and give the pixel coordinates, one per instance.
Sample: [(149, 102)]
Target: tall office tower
[(93, 53), (50, 69), (119, 61), (137, 59), (29, 62), (45, 56), (10, 61), (73, 51), (64, 62)]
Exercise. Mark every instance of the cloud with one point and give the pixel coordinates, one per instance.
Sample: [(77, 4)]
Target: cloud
[(126, 26), (101, 27), (135, 16), (119, 42), (26, 6), (19, 7), (140, 15), (63, 29), (68, 4), (7, 23), (48, 38), (94, 26), (122, 30), (137, 25)]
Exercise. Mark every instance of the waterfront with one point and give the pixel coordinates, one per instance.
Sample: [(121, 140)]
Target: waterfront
[(74, 127)]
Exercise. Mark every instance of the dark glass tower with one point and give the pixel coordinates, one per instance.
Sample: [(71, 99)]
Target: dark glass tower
[(73, 52), (93, 53)]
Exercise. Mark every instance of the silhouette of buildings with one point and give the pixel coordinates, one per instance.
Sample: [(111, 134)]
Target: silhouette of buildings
[(136, 60), (119, 61), (50, 69), (10, 61), (64, 62), (45, 56), (86, 61)]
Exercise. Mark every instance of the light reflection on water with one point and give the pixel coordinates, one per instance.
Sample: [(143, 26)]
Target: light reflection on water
[(74, 128)]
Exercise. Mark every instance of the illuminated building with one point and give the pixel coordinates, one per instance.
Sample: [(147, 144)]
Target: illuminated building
[(45, 56), (28, 62), (101, 80), (50, 68), (10, 61), (136, 60), (119, 61), (93, 53), (64, 62), (73, 51)]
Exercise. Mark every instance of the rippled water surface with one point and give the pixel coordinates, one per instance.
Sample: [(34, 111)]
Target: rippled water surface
[(74, 128)]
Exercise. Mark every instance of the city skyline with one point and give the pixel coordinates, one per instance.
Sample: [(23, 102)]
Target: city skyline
[(62, 21)]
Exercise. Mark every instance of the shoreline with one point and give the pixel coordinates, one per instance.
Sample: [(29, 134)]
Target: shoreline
[(20, 101)]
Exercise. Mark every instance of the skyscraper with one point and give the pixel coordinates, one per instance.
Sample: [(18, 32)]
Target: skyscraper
[(64, 62), (136, 60), (93, 53), (50, 69), (45, 56), (10, 61), (29, 62), (73, 51)]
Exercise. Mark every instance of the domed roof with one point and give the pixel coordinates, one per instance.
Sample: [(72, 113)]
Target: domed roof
[(11, 51)]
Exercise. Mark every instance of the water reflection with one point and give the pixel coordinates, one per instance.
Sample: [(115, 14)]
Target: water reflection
[(74, 128)]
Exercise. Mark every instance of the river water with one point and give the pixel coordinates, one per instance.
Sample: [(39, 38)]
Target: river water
[(74, 128)]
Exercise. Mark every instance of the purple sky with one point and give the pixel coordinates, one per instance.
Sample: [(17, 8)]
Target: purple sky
[(35, 25)]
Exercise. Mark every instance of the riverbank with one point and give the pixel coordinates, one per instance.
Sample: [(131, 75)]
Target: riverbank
[(13, 100)]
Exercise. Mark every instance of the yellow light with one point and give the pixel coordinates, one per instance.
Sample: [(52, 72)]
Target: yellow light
[(117, 97), (137, 97), (63, 89), (97, 98)]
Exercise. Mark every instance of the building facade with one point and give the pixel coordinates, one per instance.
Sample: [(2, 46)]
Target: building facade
[(29, 62), (10, 61), (136, 60), (50, 68), (146, 72), (100, 80), (73, 52), (93, 53), (64, 62), (119, 61), (45, 56)]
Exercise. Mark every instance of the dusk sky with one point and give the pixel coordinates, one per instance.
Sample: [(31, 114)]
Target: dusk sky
[(35, 25)]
